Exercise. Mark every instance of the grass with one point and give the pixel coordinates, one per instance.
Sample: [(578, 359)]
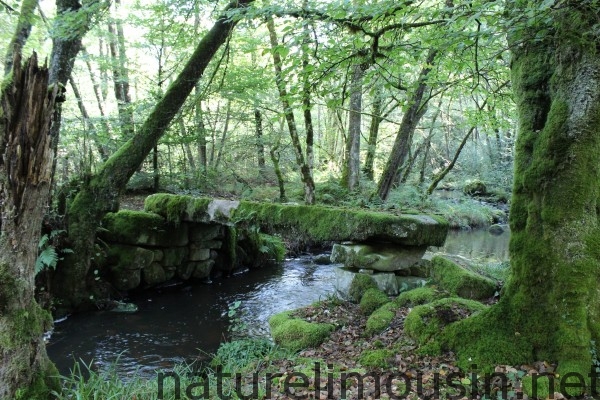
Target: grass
[(244, 357)]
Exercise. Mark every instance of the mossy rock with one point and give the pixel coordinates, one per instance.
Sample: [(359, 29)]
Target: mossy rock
[(379, 358), (459, 280), (418, 296), (426, 321), (371, 300), (142, 228), (177, 208), (381, 318), (296, 334), (475, 188), (360, 284)]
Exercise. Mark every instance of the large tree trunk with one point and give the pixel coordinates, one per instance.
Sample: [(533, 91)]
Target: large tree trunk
[(26, 158), (550, 307), (373, 133), (100, 194)]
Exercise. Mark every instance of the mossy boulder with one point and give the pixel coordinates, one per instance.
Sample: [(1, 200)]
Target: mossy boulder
[(381, 318), (153, 274), (475, 188), (454, 276), (371, 300), (177, 208), (426, 321), (359, 285), (296, 334), (386, 257), (418, 296)]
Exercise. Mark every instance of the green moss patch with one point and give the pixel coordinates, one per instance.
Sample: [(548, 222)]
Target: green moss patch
[(459, 280), (381, 318), (376, 358), (418, 296), (176, 208), (371, 300), (428, 320), (296, 334), (142, 228), (359, 285)]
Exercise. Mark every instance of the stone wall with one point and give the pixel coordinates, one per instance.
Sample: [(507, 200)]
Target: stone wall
[(145, 250)]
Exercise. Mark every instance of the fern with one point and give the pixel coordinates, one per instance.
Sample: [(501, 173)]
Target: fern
[(48, 258)]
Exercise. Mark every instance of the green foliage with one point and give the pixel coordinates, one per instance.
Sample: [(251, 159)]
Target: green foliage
[(247, 354), (49, 257)]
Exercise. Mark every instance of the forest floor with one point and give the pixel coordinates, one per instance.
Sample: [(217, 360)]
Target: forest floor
[(404, 373)]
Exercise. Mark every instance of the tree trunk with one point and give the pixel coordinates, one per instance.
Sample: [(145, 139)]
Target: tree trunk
[(224, 134), (21, 34), (351, 168), (200, 132), (550, 309), (306, 94), (100, 194), (121, 75), (410, 119), (260, 145), (26, 159), (373, 133), (305, 175), (86, 118)]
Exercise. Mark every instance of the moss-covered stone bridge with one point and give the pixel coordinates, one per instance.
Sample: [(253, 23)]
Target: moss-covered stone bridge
[(189, 237)]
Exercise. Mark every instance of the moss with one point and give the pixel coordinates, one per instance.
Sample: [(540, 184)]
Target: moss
[(296, 334), (127, 224), (426, 321), (381, 318), (175, 208), (379, 358), (359, 285), (475, 188), (371, 300), (460, 281), (418, 296)]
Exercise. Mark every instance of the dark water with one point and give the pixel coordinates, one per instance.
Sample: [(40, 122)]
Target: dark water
[(187, 323)]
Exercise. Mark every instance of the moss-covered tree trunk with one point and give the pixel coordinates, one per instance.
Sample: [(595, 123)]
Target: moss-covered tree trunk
[(550, 308), (26, 111), (100, 194)]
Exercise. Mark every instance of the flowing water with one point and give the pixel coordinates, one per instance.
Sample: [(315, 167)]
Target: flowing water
[(188, 322)]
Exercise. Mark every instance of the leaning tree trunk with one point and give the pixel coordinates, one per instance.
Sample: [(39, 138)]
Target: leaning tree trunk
[(26, 158), (550, 310), (100, 194), (409, 123)]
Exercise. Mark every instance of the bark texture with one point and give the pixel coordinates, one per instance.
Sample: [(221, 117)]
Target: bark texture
[(26, 112), (550, 308)]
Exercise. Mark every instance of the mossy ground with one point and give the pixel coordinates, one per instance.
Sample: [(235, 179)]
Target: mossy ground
[(296, 334)]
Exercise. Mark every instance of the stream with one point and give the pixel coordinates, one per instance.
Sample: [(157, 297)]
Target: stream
[(187, 323)]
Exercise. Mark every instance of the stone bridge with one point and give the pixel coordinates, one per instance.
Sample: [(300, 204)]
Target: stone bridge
[(183, 237)]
